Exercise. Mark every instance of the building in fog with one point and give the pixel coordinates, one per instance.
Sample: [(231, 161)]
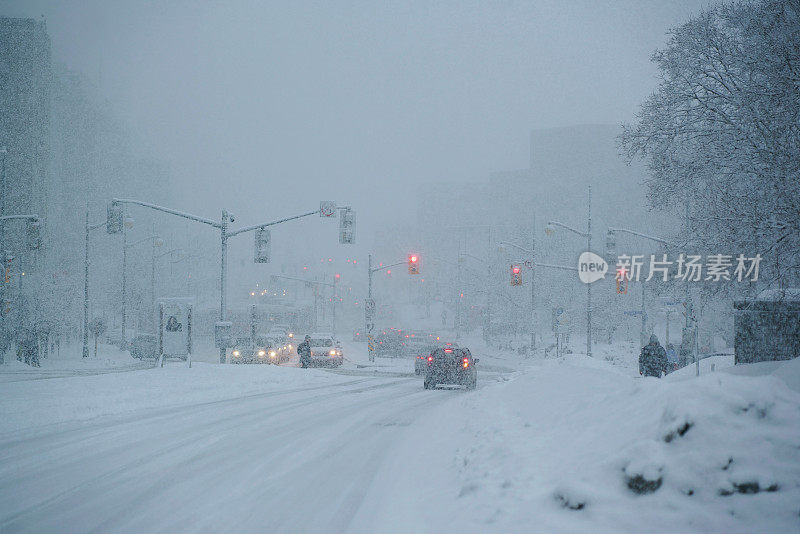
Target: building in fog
[(25, 82)]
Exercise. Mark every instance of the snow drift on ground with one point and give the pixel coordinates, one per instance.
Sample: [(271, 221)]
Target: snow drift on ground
[(574, 445)]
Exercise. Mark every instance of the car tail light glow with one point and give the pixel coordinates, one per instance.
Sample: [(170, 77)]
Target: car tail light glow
[(430, 358), (448, 351)]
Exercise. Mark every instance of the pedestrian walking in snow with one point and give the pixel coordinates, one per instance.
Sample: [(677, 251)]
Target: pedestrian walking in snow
[(304, 351), (672, 358), (653, 359)]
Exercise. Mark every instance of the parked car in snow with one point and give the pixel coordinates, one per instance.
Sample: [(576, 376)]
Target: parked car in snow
[(450, 365)]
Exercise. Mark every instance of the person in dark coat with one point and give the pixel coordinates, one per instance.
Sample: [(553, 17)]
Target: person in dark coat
[(672, 358), (304, 350), (653, 359)]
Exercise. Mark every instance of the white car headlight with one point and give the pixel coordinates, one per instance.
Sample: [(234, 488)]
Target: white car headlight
[(262, 353), (236, 353)]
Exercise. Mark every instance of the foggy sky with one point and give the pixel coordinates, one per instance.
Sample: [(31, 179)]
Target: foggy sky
[(266, 107)]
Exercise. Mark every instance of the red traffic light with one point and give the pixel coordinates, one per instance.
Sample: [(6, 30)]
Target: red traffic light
[(516, 275), (413, 264)]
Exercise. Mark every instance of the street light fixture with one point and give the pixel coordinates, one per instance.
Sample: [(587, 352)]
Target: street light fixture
[(550, 230)]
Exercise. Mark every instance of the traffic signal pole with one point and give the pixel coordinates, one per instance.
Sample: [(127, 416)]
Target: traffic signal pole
[(222, 225)]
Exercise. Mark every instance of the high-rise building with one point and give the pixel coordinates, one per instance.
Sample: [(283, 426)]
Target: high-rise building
[(25, 82)]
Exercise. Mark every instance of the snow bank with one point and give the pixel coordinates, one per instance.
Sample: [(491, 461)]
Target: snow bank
[(567, 446)]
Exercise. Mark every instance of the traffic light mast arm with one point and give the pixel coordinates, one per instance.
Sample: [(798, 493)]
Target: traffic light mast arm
[(25, 217), (273, 223), (376, 269), (96, 226), (210, 222), (571, 229), (523, 249), (551, 266), (657, 239), (302, 280)]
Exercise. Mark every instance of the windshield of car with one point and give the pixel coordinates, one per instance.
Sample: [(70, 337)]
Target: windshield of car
[(322, 342)]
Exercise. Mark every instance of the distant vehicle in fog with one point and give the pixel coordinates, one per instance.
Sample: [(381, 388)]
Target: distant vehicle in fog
[(389, 343)]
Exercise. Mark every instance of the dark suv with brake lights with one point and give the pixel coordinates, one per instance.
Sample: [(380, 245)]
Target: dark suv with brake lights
[(450, 365)]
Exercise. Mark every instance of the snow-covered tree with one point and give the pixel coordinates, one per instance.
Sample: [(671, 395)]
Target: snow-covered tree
[(722, 132)]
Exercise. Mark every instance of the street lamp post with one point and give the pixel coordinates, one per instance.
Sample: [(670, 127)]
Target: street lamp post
[(3, 152), (88, 228), (642, 340), (153, 278), (156, 242), (588, 235)]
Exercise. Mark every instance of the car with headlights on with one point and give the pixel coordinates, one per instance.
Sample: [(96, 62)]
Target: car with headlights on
[(267, 350), (450, 365), (244, 351), (325, 350)]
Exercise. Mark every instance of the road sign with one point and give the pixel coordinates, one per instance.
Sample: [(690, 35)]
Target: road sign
[(327, 208)]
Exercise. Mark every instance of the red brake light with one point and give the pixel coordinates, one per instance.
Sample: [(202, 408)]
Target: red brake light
[(448, 350), (430, 358)]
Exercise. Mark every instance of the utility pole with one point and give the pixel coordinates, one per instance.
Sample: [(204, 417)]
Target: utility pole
[(589, 286), (3, 152), (460, 293), (588, 235), (335, 298), (223, 234), (369, 313), (124, 282), (88, 228), (533, 288)]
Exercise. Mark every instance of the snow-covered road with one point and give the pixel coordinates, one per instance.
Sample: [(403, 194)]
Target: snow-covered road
[(548, 445), (298, 459)]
